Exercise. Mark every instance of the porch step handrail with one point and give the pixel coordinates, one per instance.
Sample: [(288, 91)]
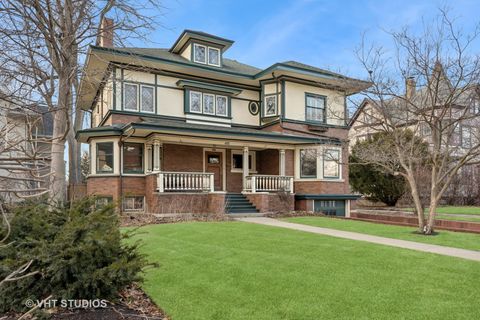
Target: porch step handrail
[(185, 181), (267, 183)]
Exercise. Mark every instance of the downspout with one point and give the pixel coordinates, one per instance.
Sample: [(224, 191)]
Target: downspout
[(120, 176)]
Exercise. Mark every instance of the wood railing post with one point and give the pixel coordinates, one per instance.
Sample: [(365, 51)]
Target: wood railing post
[(160, 183), (291, 184), (212, 183), (254, 184)]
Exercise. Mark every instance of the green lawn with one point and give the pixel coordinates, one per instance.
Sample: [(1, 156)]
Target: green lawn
[(454, 210), (235, 270), (446, 238)]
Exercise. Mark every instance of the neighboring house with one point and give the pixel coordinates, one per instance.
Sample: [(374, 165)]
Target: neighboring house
[(464, 112), (187, 130), (25, 133)]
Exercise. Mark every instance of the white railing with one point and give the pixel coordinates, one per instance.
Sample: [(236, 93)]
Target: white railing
[(267, 183), (185, 181)]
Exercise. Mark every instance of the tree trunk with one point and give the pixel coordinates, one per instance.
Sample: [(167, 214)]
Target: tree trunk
[(417, 202), (57, 169)]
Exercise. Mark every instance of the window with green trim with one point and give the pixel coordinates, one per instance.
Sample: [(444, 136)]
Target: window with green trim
[(308, 163), (104, 157), (132, 157), (208, 104), (315, 108)]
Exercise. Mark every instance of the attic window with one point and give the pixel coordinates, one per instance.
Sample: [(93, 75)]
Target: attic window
[(206, 55)]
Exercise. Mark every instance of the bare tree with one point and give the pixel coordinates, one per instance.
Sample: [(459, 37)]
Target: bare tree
[(43, 43), (440, 103)]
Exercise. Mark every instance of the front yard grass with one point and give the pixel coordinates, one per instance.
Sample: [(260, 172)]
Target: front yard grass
[(445, 238), (235, 270)]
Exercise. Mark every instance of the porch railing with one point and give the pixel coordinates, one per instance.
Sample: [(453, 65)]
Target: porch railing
[(268, 183), (185, 181)]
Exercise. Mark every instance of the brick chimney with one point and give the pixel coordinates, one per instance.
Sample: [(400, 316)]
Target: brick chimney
[(410, 87), (105, 34)]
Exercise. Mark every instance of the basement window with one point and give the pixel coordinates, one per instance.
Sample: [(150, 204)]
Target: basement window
[(133, 203)]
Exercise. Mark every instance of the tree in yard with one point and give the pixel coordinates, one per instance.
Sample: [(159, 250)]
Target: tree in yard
[(43, 43), (441, 104), (371, 180)]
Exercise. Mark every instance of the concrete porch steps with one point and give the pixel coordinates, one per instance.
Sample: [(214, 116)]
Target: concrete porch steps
[(237, 203)]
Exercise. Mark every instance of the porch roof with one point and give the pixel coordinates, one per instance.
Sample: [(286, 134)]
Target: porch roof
[(147, 127)]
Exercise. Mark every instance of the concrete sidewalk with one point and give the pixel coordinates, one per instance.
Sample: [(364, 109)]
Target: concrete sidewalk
[(431, 248)]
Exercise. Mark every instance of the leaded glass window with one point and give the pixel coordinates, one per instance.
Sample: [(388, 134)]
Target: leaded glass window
[(208, 103), (147, 99), (130, 97), (199, 53), (221, 105), (195, 102), (214, 56)]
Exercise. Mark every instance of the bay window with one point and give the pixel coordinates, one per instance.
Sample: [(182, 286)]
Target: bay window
[(308, 163), (132, 158), (104, 154)]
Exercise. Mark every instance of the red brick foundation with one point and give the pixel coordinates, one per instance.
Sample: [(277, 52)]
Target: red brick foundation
[(413, 221), (272, 202)]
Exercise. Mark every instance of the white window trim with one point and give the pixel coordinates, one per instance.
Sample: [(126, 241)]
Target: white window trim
[(320, 153), (137, 98), (144, 151), (214, 99), (339, 163), (201, 102), (265, 103), (219, 56), (226, 106), (253, 169), (140, 98), (195, 45)]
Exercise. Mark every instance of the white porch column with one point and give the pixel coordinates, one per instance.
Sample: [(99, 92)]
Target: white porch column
[(149, 157), (245, 167), (282, 162), (156, 155)]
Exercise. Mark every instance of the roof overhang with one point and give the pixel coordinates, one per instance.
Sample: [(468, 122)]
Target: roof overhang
[(349, 85), (188, 35)]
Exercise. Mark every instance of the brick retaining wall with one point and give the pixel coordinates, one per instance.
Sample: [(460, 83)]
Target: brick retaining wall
[(413, 221)]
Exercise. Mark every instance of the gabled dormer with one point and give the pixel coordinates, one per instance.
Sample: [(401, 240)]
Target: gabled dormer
[(200, 47)]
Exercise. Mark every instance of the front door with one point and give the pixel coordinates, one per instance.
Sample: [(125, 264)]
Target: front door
[(214, 164)]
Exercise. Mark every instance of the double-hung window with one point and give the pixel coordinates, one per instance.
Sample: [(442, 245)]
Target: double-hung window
[(331, 163), (208, 104), (133, 203), (104, 157), (308, 163), (132, 99), (315, 108), (132, 157)]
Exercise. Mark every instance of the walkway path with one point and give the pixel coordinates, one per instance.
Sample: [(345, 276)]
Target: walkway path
[(446, 251)]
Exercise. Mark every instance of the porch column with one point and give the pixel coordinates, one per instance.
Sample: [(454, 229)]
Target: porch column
[(156, 155), (282, 162), (245, 167), (149, 157)]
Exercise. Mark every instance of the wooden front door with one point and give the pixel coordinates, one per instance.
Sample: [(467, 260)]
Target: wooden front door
[(214, 164)]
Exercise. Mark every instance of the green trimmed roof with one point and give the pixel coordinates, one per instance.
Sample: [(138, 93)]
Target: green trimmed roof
[(228, 65), (201, 130)]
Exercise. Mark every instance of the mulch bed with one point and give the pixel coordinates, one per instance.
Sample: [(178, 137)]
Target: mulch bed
[(133, 304)]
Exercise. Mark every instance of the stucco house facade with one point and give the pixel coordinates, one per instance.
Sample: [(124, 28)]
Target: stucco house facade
[(187, 130)]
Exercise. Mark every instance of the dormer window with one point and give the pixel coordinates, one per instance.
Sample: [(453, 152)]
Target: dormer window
[(206, 55)]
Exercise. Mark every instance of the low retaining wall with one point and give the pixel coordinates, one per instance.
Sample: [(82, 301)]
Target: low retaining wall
[(413, 221), (272, 202)]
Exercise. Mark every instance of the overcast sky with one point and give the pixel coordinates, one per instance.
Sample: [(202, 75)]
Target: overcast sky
[(321, 33)]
